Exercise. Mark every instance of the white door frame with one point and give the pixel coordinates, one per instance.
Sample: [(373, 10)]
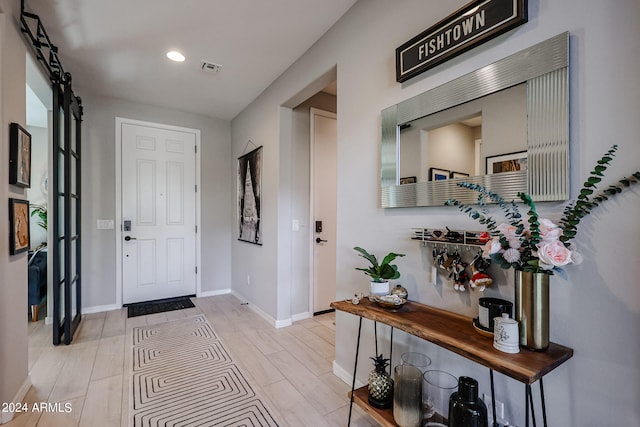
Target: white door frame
[(118, 202), (312, 242)]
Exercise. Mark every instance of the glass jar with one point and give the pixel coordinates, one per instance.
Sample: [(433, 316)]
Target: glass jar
[(407, 396)]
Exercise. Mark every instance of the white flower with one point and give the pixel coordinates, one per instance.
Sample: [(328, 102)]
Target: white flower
[(511, 255), (515, 243)]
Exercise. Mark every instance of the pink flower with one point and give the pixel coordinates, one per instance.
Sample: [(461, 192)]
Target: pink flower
[(554, 253), (548, 230), (508, 231), (491, 247)]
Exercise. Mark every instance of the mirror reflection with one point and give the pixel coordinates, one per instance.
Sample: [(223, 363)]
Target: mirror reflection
[(503, 126), (467, 140)]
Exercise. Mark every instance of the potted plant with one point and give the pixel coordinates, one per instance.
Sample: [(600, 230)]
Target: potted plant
[(380, 273), (41, 212)]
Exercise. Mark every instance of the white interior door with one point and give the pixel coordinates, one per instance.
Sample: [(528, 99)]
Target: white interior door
[(324, 182), (158, 213)]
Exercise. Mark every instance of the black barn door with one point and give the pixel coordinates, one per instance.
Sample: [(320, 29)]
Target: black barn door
[(67, 122)]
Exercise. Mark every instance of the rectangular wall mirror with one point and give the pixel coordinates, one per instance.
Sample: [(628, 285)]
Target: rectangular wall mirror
[(504, 126)]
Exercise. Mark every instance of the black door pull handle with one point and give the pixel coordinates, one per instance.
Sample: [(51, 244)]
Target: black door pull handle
[(319, 240), (127, 238)]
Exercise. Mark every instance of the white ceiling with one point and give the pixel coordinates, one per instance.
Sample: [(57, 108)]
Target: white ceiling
[(117, 48)]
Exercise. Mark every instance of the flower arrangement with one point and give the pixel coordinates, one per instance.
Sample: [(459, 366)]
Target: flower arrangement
[(539, 245)]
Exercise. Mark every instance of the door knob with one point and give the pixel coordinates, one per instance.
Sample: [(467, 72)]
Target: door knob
[(319, 240), (127, 238)]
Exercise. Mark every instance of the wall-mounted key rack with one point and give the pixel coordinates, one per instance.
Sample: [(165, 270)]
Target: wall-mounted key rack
[(451, 237)]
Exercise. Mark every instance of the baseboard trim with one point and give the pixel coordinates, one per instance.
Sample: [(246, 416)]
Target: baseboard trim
[(344, 375), (100, 308), (5, 417), (276, 323), (213, 293), (301, 316), (111, 307)]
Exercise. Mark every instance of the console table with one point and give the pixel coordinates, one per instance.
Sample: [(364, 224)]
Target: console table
[(455, 333)]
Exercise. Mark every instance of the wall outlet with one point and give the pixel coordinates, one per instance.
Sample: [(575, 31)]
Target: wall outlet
[(499, 410), (295, 225)]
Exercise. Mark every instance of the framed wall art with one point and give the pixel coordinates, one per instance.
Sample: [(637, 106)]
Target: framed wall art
[(18, 226), (408, 180), (250, 196), (436, 174), (19, 156), (458, 175), (509, 162)]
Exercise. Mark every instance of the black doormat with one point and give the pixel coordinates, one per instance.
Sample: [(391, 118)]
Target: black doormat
[(158, 306)]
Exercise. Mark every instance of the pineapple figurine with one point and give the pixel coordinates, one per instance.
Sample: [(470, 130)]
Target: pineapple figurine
[(380, 384)]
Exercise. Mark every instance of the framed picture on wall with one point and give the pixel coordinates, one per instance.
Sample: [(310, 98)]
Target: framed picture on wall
[(436, 174), (19, 156), (458, 175), (18, 226), (250, 197), (408, 180), (509, 162)]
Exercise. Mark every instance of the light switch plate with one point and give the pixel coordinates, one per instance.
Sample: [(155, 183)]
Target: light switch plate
[(104, 224)]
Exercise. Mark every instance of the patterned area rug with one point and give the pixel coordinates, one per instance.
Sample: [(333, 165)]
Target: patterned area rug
[(183, 376)]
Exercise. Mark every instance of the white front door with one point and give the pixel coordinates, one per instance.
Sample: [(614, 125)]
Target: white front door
[(324, 152), (158, 213)]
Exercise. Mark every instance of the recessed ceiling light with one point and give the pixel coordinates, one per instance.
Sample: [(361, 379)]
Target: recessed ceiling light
[(174, 55)]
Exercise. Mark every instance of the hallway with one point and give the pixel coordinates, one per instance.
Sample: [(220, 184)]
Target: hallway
[(290, 368)]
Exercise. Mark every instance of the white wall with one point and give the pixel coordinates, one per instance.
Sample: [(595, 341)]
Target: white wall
[(13, 268), (445, 145), (39, 170), (98, 186), (596, 311)]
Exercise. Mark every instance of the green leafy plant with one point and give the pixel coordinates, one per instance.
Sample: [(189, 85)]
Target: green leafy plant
[(41, 212), (536, 244), (380, 272)]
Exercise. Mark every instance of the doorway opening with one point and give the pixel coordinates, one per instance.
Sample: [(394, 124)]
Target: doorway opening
[(39, 106), (313, 192)]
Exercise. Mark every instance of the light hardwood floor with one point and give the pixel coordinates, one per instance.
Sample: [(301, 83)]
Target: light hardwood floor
[(290, 368)]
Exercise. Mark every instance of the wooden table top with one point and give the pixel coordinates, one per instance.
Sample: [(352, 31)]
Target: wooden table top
[(457, 334)]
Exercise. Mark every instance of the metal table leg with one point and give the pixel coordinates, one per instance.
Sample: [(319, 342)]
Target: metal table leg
[(527, 390), (493, 400), (375, 335), (391, 354), (544, 407), (533, 409), (355, 370)]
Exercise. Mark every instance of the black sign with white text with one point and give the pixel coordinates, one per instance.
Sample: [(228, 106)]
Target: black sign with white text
[(474, 24)]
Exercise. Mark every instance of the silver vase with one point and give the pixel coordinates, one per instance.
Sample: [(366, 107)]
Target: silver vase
[(532, 309)]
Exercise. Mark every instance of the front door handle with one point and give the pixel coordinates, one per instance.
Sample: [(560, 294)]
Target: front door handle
[(127, 238), (319, 240)]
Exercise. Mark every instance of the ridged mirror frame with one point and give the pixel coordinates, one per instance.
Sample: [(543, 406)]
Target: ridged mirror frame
[(544, 68)]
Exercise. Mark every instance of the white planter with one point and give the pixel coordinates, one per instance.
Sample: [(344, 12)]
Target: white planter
[(379, 288)]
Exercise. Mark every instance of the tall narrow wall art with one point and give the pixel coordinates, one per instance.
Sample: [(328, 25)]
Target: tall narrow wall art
[(250, 196)]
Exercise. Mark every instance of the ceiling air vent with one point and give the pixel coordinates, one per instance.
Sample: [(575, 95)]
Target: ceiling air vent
[(210, 67)]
